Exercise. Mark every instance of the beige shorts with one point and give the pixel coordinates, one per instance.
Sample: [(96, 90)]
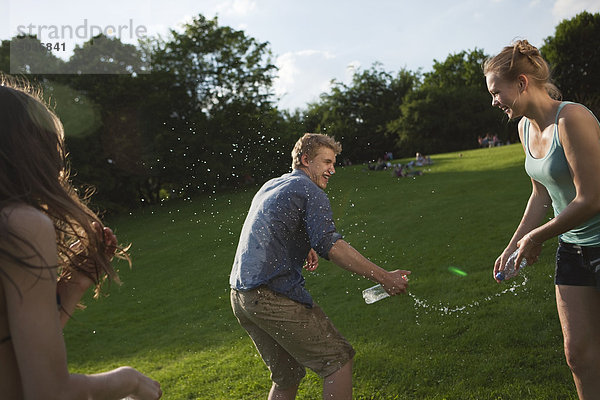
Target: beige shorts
[(290, 336)]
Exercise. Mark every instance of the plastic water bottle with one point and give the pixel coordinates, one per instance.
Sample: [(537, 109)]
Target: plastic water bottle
[(374, 293), (509, 268)]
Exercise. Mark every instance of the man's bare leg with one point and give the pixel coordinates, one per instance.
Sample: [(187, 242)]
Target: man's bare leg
[(338, 386), (283, 394)]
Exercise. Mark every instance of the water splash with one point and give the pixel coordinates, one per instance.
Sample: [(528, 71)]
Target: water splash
[(447, 310)]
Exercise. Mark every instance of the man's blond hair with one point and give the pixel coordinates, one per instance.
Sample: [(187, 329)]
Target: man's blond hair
[(309, 144)]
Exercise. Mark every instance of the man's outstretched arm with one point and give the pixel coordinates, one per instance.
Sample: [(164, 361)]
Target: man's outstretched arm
[(347, 257)]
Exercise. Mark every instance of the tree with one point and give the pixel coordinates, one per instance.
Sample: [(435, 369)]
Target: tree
[(29, 56), (217, 65), (357, 114), (449, 109), (462, 69), (442, 119), (218, 124), (102, 55), (5, 56), (107, 73), (573, 55), (200, 121)]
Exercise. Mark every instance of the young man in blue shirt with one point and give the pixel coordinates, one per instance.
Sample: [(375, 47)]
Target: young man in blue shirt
[(289, 222)]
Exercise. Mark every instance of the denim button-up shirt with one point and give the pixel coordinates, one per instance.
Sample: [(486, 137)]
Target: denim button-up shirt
[(288, 216)]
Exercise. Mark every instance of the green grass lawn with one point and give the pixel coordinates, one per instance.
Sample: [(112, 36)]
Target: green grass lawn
[(453, 337)]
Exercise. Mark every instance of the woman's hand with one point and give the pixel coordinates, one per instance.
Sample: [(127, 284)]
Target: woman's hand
[(528, 249), (106, 235), (501, 261), (145, 389)]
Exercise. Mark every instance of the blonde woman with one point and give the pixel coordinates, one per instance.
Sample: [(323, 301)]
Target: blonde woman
[(562, 156)]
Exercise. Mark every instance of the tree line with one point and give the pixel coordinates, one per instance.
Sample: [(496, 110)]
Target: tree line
[(196, 112)]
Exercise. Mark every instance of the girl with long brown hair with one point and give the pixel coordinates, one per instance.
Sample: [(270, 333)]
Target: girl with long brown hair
[(53, 248)]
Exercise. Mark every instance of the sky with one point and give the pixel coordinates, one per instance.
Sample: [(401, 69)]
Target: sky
[(312, 41)]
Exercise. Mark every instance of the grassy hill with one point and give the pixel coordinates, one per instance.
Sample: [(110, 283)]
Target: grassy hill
[(452, 337)]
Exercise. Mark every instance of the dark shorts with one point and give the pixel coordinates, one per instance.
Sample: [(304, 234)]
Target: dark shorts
[(577, 265), (290, 336)]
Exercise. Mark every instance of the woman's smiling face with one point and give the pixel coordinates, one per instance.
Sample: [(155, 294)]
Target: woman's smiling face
[(505, 94)]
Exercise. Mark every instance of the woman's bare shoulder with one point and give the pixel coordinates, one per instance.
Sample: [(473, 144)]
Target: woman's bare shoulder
[(577, 113), (28, 222), (579, 122)]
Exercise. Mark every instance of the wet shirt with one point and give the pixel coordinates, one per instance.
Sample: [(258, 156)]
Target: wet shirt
[(288, 216)]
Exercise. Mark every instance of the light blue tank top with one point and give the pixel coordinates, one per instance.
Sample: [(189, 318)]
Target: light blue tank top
[(552, 171)]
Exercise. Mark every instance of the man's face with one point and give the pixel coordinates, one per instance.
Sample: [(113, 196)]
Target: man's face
[(321, 167)]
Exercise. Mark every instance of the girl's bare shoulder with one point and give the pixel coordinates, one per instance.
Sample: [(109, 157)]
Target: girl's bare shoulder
[(577, 114), (28, 222)]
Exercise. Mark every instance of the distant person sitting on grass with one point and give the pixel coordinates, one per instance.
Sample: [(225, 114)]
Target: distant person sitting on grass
[(421, 160), (401, 171), (52, 249), (288, 218)]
